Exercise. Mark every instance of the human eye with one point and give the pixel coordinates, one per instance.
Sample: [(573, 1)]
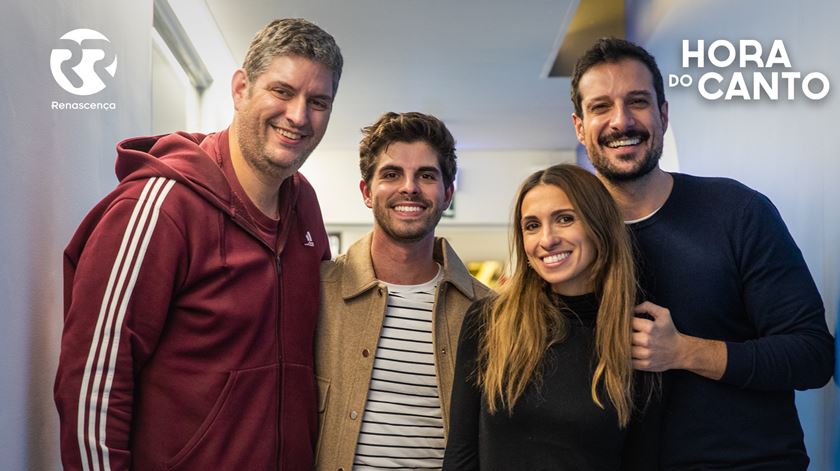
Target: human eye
[(431, 176), (389, 175), (565, 219), (640, 102), (320, 104), (598, 107), (283, 93), (530, 226)]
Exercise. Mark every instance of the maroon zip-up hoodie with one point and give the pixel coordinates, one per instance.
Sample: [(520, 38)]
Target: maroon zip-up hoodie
[(187, 338)]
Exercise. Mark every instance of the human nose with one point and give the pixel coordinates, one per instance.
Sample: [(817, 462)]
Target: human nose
[(297, 111), (409, 185), (549, 237), (622, 118)]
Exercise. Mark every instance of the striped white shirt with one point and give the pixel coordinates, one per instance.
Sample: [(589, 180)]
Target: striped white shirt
[(402, 425)]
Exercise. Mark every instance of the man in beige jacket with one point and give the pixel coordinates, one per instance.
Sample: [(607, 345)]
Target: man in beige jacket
[(392, 308)]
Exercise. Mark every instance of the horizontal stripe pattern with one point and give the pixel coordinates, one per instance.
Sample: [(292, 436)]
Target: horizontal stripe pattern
[(402, 425), (100, 366)]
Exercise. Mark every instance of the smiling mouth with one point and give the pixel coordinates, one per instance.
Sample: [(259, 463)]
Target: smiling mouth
[(630, 141), (627, 138), (287, 134), (556, 257), (408, 209)]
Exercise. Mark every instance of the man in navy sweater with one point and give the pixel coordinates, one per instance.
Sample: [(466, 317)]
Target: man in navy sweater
[(744, 325)]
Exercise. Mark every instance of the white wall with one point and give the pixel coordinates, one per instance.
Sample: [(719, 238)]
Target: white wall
[(215, 104), (56, 165), (785, 149)]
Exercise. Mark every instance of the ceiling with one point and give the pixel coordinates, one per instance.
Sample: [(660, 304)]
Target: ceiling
[(479, 65)]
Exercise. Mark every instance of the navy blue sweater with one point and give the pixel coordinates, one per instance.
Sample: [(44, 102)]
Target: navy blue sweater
[(719, 256)]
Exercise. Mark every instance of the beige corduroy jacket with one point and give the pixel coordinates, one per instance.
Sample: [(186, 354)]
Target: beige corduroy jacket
[(353, 304)]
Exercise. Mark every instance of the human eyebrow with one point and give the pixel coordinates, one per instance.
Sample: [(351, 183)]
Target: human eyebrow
[(389, 168), (434, 170), (640, 94), (282, 84)]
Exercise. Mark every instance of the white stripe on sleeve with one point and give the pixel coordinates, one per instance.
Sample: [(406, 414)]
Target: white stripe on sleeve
[(104, 346)]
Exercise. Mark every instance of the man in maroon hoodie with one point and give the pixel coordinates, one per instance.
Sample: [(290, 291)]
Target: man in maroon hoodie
[(191, 290)]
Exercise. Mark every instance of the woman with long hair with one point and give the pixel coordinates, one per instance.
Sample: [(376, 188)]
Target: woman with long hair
[(543, 378)]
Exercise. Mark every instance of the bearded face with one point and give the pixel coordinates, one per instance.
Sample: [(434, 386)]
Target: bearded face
[(622, 126), (406, 192)]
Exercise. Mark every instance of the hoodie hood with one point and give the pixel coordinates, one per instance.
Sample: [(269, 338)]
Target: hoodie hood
[(190, 159), (195, 160)]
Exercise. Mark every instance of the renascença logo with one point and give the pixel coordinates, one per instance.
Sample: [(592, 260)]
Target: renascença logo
[(84, 60)]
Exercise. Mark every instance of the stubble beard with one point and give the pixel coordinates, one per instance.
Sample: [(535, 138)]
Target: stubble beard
[(613, 174), (413, 233), (253, 146)]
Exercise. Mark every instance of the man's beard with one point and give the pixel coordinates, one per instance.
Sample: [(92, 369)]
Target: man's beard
[(605, 168), (407, 234), (253, 146)]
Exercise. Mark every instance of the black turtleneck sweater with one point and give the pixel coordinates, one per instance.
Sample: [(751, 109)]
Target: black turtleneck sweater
[(555, 426)]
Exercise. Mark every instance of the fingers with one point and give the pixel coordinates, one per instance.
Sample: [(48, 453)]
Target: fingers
[(652, 340), (641, 325), (640, 339), (642, 359), (655, 311), (643, 307), (640, 353)]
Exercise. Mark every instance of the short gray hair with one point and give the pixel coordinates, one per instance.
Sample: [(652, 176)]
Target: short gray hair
[(293, 37)]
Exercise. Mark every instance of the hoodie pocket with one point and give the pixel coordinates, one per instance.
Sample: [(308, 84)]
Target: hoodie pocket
[(239, 431)]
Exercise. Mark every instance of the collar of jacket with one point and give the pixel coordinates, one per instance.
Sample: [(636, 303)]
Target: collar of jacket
[(362, 277)]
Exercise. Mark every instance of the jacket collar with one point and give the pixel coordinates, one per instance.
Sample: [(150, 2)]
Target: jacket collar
[(359, 276)]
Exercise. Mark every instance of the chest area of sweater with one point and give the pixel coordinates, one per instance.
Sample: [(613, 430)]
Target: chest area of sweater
[(693, 271), (561, 402)]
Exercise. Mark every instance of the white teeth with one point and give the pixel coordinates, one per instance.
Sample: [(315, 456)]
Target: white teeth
[(408, 209), (554, 258), (289, 134), (624, 142)]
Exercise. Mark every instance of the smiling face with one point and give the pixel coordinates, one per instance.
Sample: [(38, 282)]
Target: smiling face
[(555, 240), (406, 192), (283, 114), (622, 127)]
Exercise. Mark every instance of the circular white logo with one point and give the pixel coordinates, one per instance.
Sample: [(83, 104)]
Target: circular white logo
[(84, 60)]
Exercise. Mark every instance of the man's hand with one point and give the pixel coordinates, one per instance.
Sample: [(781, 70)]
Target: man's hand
[(657, 345)]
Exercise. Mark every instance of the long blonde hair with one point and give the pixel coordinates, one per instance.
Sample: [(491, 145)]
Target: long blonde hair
[(522, 322)]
